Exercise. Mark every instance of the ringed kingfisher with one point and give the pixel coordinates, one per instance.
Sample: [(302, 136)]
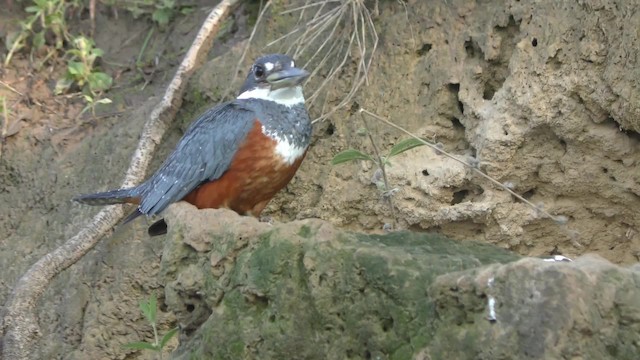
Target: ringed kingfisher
[(236, 155)]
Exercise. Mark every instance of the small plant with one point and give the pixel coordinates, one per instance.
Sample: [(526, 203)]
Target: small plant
[(149, 310), (81, 71), (46, 16), (92, 103), (381, 162), (380, 175)]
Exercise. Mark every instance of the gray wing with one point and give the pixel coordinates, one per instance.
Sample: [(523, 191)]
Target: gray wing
[(204, 153)]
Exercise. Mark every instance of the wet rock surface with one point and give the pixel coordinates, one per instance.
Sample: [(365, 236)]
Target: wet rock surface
[(531, 309), (305, 290)]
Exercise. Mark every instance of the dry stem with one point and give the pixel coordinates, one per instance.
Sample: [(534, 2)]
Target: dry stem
[(381, 165), (19, 319)]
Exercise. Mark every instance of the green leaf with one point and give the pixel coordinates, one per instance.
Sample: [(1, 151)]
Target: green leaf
[(104, 101), (32, 9), (141, 345), (99, 81), (161, 16), (187, 10), (167, 337), (350, 155), (149, 308), (167, 4), (97, 52), (74, 52), (62, 85), (404, 145), (76, 68), (81, 43), (38, 40)]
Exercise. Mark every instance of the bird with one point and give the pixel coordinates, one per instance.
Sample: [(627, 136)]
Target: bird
[(236, 155)]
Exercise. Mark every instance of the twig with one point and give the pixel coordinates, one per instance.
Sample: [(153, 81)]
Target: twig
[(19, 320), (144, 46), (329, 35), (11, 88), (245, 50), (5, 122), (30, 99), (381, 165)]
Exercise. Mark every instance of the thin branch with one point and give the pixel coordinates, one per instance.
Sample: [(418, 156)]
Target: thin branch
[(19, 319), (245, 50), (381, 165)]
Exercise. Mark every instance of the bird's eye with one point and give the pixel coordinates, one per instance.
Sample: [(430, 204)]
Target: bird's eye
[(258, 71)]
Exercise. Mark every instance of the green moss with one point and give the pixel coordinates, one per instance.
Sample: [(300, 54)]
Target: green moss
[(335, 298), (305, 231)]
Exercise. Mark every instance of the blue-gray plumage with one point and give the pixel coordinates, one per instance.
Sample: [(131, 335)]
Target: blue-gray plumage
[(235, 155), (203, 154)]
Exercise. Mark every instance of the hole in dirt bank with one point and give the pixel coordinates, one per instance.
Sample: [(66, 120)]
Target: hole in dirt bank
[(190, 307), (425, 172), (498, 69), (488, 92), (454, 89), (387, 324), (630, 133), (472, 49), (467, 195), (457, 124), (424, 49), (259, 300), (534, 42), (330, 129), (459, 196), (322, 280), (563, 143), (554, 62), (529, 194)]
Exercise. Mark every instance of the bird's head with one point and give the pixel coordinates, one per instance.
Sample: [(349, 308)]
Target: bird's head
[(275, 78)]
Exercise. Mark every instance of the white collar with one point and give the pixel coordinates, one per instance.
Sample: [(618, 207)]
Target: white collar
[(285, 96)]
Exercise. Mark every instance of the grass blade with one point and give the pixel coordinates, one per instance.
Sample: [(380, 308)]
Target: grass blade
[(350, 155), (167, 337), (404, 145)]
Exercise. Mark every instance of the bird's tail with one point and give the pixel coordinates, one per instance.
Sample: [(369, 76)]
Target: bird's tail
[(120, 196)]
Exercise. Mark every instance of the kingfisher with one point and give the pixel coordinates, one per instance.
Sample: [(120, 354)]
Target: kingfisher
[(236, 155)]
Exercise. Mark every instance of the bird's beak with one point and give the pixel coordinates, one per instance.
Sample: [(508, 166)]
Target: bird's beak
[(287, 78)]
